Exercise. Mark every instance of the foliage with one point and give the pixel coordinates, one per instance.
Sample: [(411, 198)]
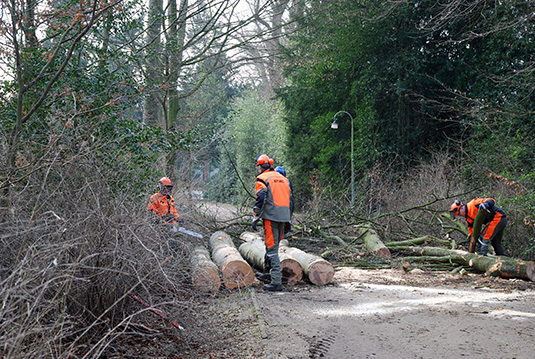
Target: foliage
[(411, 87), (254, 126)]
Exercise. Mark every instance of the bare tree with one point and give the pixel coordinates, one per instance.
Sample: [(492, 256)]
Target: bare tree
[(270, 34), (26, 34)]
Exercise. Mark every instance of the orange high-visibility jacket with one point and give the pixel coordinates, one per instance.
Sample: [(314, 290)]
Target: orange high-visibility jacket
[(161, 205), (493, 217), (273, 196)]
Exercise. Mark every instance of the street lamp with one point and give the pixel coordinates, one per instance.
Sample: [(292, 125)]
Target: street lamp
[(334, 126)]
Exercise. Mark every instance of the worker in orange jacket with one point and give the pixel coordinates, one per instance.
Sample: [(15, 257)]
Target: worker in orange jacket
[(486, 223), (162, 203), (274, 204)]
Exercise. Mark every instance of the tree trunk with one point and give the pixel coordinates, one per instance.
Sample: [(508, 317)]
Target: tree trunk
[(373, 243), (316, 269), (236, 271), (204, 272), (253, 250), (493, 266), (153, 65)]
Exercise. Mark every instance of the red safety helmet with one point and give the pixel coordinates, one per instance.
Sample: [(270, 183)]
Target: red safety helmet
[(165, 181), (455, 207), (264, 161)]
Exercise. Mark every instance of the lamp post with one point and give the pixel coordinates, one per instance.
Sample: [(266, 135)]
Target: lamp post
[(334, 126)]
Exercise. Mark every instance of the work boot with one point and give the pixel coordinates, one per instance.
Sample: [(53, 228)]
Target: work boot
[(273, 287), (263, 277)]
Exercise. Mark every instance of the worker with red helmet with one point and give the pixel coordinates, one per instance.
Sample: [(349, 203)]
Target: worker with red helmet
[(486, 223), (274, 204), (162, 203)]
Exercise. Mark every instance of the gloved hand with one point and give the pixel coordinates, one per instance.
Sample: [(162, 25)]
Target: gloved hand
[(484, 206), (180, 222), (255, 221), (287, 227)]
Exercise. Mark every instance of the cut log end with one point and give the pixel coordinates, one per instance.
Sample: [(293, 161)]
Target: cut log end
[(320, 273), (206, 279), (292, 272), (237, 274), (383, 253), (204, 272)]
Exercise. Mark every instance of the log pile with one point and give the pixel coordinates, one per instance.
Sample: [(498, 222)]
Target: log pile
[(235, 270), (253, 250)]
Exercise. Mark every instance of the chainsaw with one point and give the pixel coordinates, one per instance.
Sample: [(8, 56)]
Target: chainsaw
[(186, 231)]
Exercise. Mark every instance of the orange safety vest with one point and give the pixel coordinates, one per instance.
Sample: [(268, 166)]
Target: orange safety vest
[(493, 217), (274, 188), (161, 205)]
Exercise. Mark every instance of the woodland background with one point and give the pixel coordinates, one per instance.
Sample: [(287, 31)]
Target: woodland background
[(99, 99)]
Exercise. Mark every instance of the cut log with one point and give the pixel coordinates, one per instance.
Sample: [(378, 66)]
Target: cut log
[(316, 269), (204, 272), (373, 243), (235, 270), (493, 266), (253, 250)]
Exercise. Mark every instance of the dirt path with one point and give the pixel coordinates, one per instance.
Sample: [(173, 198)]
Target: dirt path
[(391, 314)]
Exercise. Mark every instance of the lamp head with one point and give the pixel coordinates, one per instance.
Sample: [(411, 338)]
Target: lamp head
[(334, 125)]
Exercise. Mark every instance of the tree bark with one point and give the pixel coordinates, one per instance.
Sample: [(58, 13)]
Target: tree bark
[(409, 242), (236, 271), (253, 250), (204, 272), (493, 266), (373, 243), (316, 269)]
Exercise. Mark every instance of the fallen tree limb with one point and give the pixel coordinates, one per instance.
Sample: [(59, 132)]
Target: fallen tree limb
[(321, 233), (236, 271), (409, 242), (493, 266)]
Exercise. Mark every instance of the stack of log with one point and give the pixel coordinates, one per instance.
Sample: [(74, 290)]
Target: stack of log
[(295, 263), (235, 265)]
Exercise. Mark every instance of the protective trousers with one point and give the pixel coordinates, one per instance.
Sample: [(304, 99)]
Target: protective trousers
[(492, 235), (273, 232)]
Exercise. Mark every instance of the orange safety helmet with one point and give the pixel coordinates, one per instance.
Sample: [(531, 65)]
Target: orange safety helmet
[(455, 207), (264, 161), (165, 181)]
